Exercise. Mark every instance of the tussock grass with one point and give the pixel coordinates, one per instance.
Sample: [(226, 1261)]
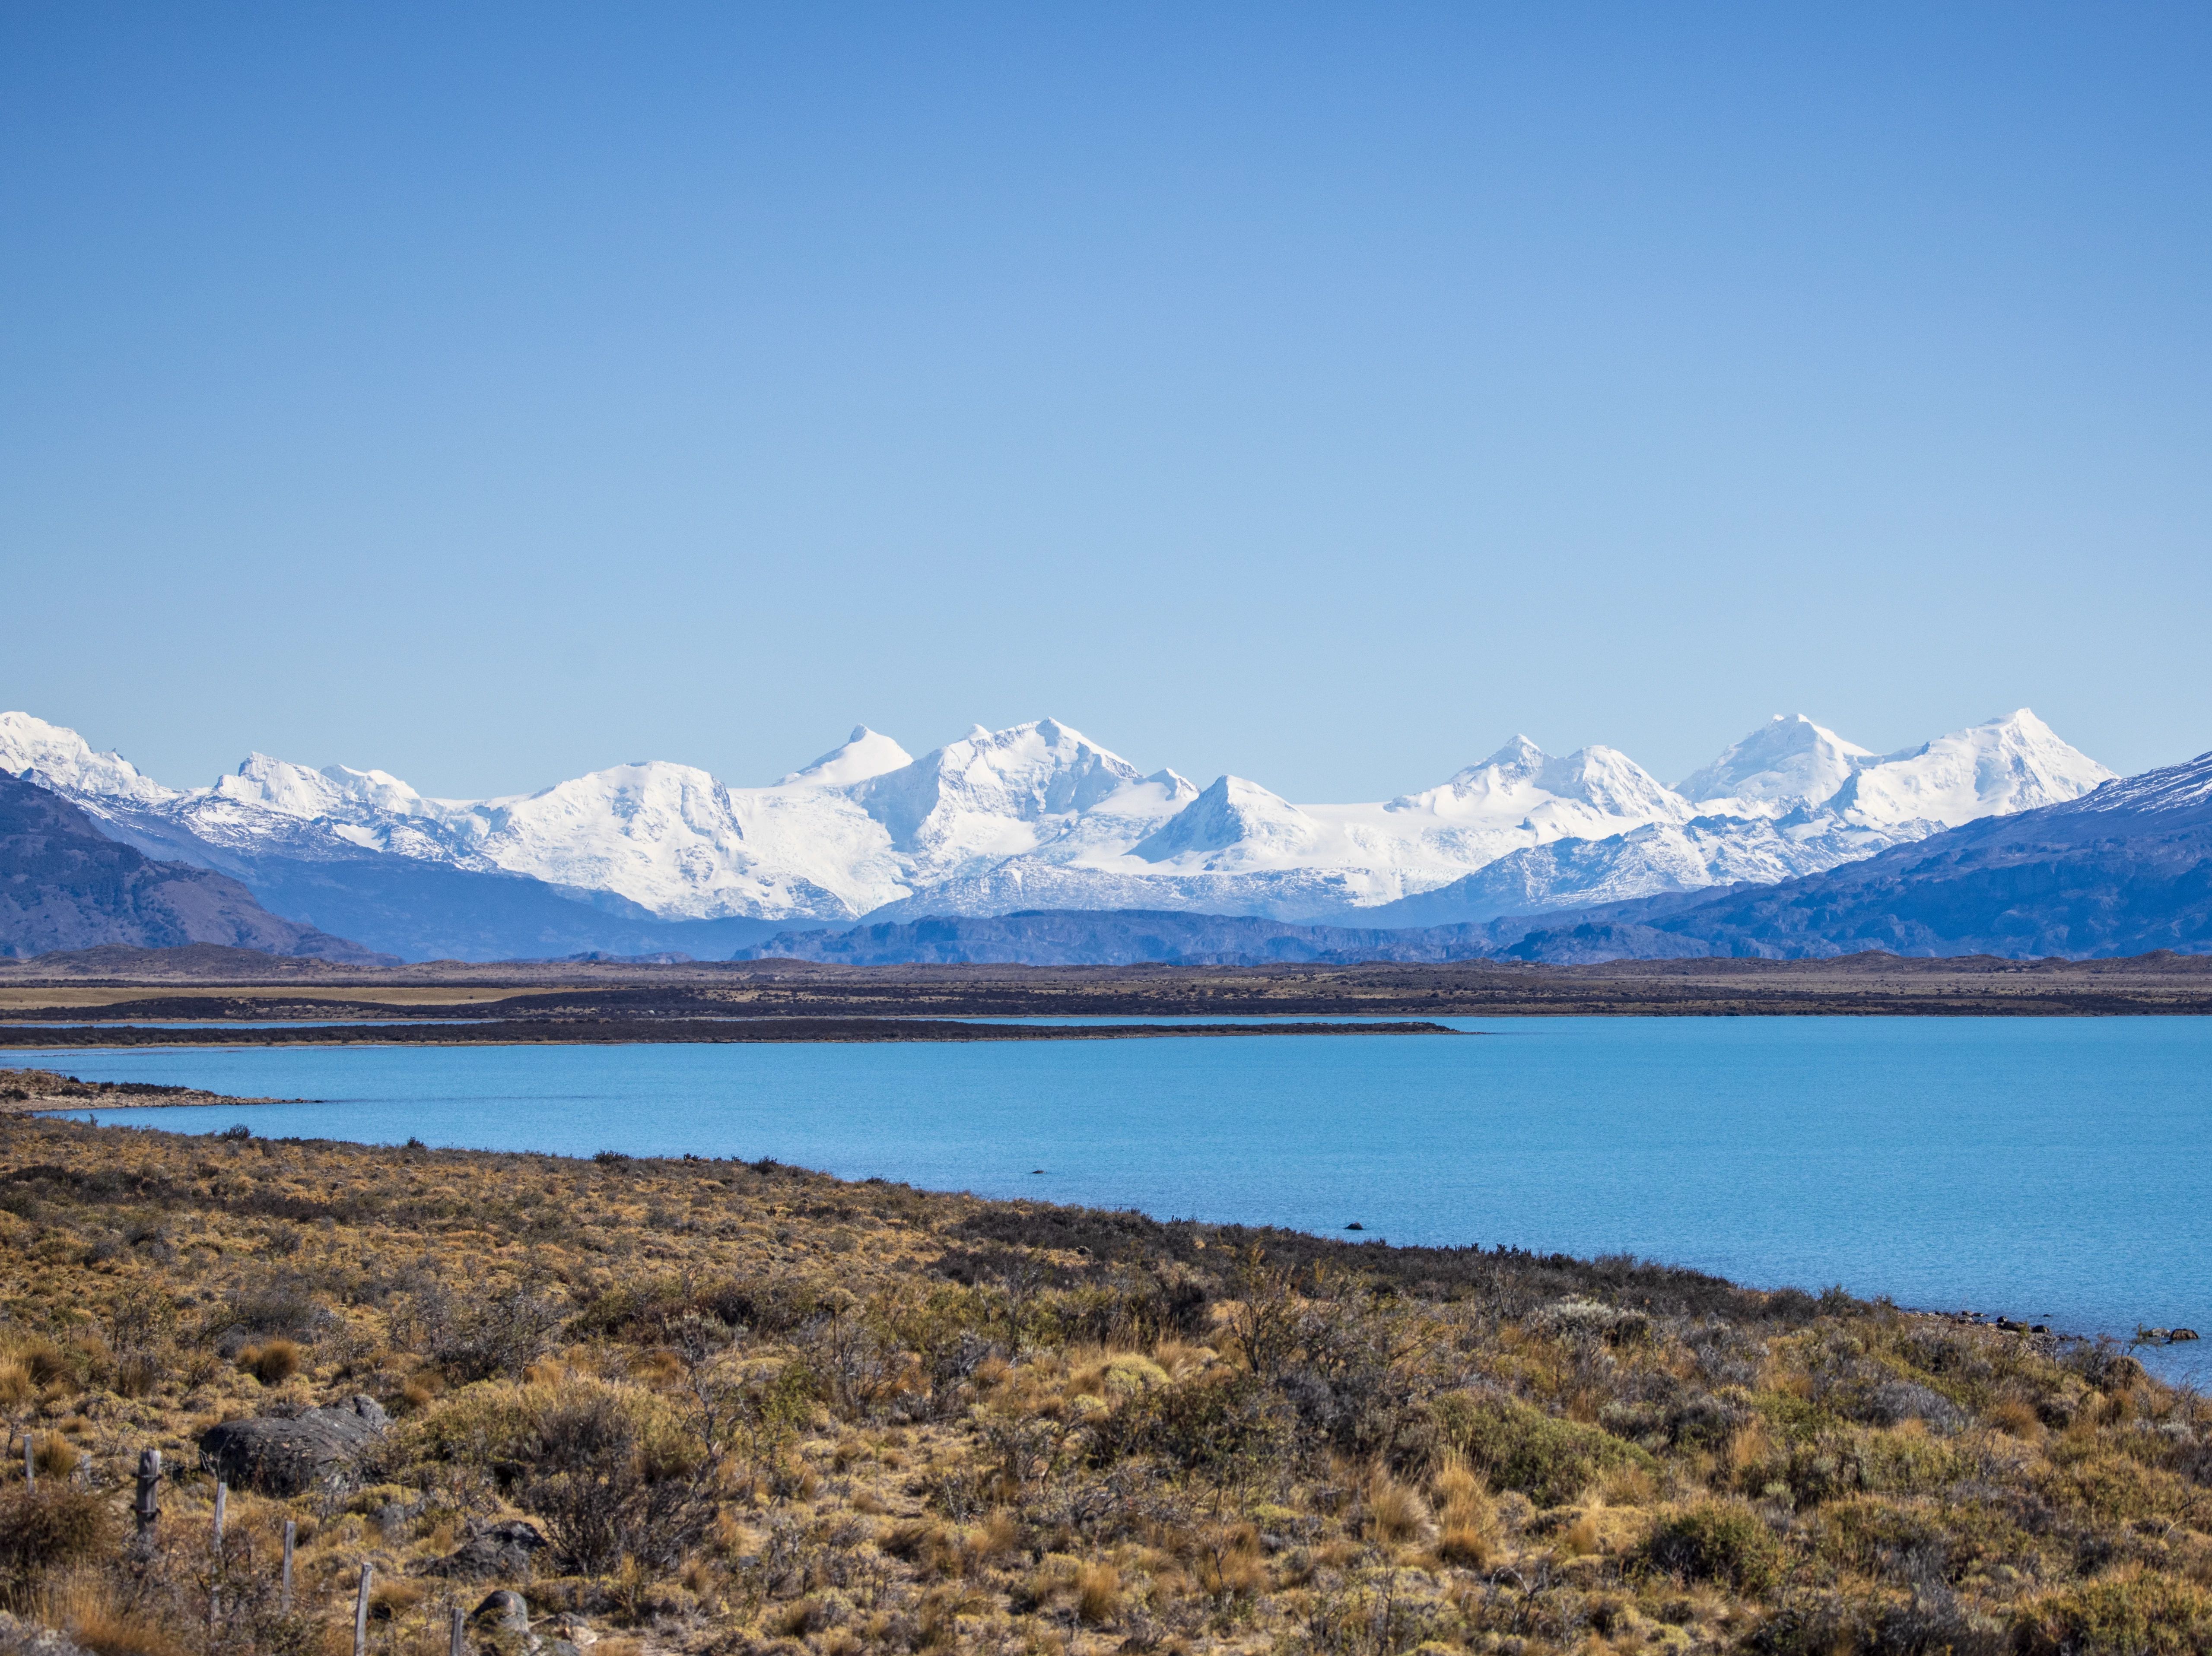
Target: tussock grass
[(744, 1408)]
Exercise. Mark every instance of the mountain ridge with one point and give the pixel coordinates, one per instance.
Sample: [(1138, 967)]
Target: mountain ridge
[(64, 885), (1032, 817), (2123, 871)]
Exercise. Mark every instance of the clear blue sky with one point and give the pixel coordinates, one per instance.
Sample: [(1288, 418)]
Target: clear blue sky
[(489, 393)]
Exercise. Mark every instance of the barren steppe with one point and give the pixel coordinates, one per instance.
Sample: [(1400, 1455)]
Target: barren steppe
[(714, 1406), (227, 985)]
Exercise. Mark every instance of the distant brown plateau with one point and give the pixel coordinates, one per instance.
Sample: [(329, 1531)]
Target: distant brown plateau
[(617, 1000), (604, 1031)]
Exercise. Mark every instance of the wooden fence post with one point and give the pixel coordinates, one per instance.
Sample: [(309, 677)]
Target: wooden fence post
[(221, 1504), (360, 1615), (148, 1504), (459, 1646), (291, 1529), (30, 1462)]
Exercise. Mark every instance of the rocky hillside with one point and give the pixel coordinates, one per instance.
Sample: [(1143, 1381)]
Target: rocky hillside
[(656, 857), (64, 885), (2123, 871)]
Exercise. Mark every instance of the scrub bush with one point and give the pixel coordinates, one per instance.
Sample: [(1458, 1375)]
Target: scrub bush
[(46, 1529), (1721, 1541), (1520, 1447), (2130, 1615)]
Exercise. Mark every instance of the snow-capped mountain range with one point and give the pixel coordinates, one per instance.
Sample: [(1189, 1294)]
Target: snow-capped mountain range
[(1040, 817)]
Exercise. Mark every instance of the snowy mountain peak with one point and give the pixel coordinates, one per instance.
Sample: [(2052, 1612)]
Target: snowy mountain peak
[(1608, 780), (1787, 762), (377, 790), (991, 788), (65, 761), (1038, 814), (278, 785), (1519, 757), (865, 753), (2014, 763), (1521, 781), (335, 793), (1233, 818)]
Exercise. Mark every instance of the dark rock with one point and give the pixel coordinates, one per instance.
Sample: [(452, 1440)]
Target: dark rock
[(496, 1549), (392, 1518), (2182, 1334), (320, 1449), (506, 1612)]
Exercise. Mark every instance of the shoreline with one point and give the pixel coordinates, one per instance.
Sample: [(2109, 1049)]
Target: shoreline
[(57, 1093), (226, 985), (600, 1031), (58, 1107), (1018, 1402), (76, 1094)]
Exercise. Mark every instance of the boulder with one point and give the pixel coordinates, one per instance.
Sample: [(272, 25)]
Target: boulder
[(504, 1612), (495, 1550), (280, 1456)]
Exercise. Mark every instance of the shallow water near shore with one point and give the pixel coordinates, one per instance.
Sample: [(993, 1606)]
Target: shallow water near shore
[(2052, 1169)]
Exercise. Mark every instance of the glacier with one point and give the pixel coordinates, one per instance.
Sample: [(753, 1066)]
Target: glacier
[(1039, 816)]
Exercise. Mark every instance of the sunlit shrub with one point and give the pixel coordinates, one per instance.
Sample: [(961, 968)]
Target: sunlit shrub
[(273, 1363), (49, 1528), (1721, 1541), (2131, 1615), (1518, 1447)]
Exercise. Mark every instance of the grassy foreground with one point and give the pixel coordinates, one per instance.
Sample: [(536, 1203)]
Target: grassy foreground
[(748, 1408)]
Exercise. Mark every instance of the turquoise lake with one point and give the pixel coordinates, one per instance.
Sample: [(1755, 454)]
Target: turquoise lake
[(2054, 1169)]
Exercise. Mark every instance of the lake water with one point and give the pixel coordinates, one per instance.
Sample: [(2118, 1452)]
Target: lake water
[(2054, 1169)]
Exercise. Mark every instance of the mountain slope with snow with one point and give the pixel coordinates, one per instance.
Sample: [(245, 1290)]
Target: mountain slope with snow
[(1998, 769), (2122, 870), (1787, 763), (1036, 816), (64, 885)]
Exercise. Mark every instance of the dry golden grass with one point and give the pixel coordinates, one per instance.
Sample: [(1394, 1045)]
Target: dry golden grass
[(271, 1364), (756, 1410), (93, 1614), (1395, 1512), (1097, 1593)]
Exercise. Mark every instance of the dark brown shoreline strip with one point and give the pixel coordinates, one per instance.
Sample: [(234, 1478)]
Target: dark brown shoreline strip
[(676, 1031)]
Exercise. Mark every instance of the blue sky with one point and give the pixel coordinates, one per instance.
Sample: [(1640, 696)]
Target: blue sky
[(490, 393)]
